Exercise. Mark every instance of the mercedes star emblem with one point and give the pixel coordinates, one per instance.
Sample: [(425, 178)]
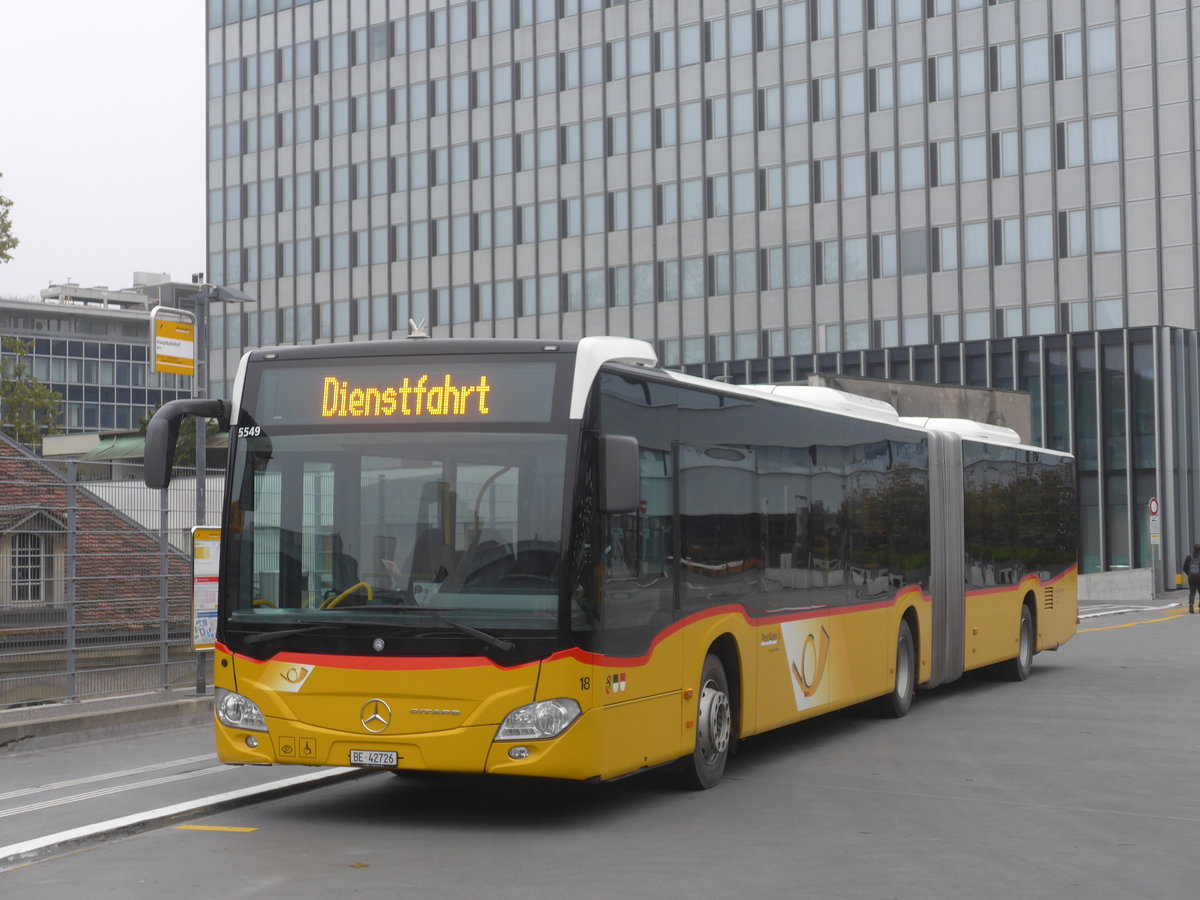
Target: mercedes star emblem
[(376, 716)]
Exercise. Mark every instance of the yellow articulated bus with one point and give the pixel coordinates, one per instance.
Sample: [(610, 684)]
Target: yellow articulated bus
[(553, 558)]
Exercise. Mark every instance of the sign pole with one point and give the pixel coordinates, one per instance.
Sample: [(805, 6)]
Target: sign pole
[(1155, 543)]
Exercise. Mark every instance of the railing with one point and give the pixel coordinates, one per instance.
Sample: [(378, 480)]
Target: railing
[(95, 583)]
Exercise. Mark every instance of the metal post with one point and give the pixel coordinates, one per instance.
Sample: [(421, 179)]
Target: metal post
[(200, 389), (164, 586), (72, 596)]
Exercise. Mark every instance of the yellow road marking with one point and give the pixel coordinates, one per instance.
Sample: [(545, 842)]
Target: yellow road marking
[(1131, 624), (213, 828)]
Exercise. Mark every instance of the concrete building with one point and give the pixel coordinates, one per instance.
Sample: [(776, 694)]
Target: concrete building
[(970, 192), (92, 345)]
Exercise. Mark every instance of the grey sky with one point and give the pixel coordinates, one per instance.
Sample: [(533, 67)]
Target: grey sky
[(102, 140)]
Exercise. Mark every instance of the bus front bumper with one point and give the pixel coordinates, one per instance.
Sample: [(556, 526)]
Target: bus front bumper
[(467, 749)]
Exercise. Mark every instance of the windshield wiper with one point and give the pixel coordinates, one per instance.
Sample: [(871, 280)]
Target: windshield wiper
[(264, 636), (490, 640)]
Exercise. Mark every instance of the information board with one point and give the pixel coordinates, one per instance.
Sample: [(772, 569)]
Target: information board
[(206, 563)]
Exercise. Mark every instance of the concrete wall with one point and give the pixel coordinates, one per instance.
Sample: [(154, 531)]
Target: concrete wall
[(1120, 586), (1012, 409)]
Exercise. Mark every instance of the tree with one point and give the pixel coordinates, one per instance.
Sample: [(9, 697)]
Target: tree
[(28, 408), (7, 241)]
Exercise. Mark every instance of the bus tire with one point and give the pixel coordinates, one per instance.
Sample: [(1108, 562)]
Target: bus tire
[(1017, 668), (896, 704), (714, 728)]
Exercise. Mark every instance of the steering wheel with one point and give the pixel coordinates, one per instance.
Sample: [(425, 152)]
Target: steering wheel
[(334, 601)]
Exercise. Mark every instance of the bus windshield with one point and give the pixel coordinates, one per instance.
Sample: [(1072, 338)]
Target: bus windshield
[(437, 529)]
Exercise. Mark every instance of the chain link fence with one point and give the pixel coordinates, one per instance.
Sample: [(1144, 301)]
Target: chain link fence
[(95, 581)]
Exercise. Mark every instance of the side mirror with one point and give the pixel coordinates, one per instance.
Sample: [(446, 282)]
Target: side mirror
[(162, 434), (620, 474)]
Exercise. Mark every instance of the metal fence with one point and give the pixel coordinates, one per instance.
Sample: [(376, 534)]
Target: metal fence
[(95, 582)]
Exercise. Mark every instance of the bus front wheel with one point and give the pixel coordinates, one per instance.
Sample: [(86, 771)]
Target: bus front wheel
[(714, 728)]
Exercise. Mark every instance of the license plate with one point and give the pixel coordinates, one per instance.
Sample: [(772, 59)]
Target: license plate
[(382, 758)]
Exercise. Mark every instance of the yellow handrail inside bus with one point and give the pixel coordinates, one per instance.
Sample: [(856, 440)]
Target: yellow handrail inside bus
[(334, 601)]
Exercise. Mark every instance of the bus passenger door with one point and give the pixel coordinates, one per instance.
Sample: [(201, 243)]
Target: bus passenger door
[(637, 677)]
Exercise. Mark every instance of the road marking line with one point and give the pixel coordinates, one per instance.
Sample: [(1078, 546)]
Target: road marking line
[(1131, 624), (235, 828), (115, 789), (107, 776), (1121, 610), (17, 854)]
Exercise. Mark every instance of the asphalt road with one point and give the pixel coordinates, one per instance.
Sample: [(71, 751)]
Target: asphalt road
[(1082, 782)]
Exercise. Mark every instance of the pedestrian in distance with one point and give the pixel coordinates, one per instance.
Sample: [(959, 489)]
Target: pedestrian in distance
[(1191, 568)]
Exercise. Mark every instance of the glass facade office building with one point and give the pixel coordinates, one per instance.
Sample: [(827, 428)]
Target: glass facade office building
[(97, 357), (964, 191)]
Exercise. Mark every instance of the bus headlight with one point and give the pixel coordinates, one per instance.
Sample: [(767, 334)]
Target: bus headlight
[(539, 721), (237, 711)]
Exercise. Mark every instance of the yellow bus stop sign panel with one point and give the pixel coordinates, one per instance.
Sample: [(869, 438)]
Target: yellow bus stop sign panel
[(174, 347)]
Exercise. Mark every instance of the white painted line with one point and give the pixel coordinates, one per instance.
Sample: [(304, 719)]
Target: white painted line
[(108, 791), (26, 851), (1121, 610), (106, 776)]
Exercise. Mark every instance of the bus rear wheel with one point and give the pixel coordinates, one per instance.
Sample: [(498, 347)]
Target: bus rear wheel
[(714, 728), (1017, 668), (897, 703)]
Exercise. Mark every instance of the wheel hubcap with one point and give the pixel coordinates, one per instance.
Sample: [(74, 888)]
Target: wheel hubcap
[(713, 721), (903, 671)]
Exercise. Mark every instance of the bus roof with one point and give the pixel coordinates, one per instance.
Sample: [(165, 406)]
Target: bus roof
[(968, 428)]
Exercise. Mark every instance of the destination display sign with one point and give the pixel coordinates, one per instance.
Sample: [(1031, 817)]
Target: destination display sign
[(403, 393)]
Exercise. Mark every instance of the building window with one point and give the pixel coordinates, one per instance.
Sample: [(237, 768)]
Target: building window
[(883, 255), (883, 172), (973, 158), (1069, 148), (912, 167), (912, 83), (1037, 149), (971, 73), (882, 88), (1106, 229), (1006, 153), (824, 98), (1002, 66), (1035, 61), (975, 245), (943, 156), (27, 573), (1039, 237), (1006, 240), (1102, 49), (854, 176), (1105, 143), (941, 78), (795, 103), (914, 252), (945, 248), (853, 96), (1068, 55), (1072, 233)]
